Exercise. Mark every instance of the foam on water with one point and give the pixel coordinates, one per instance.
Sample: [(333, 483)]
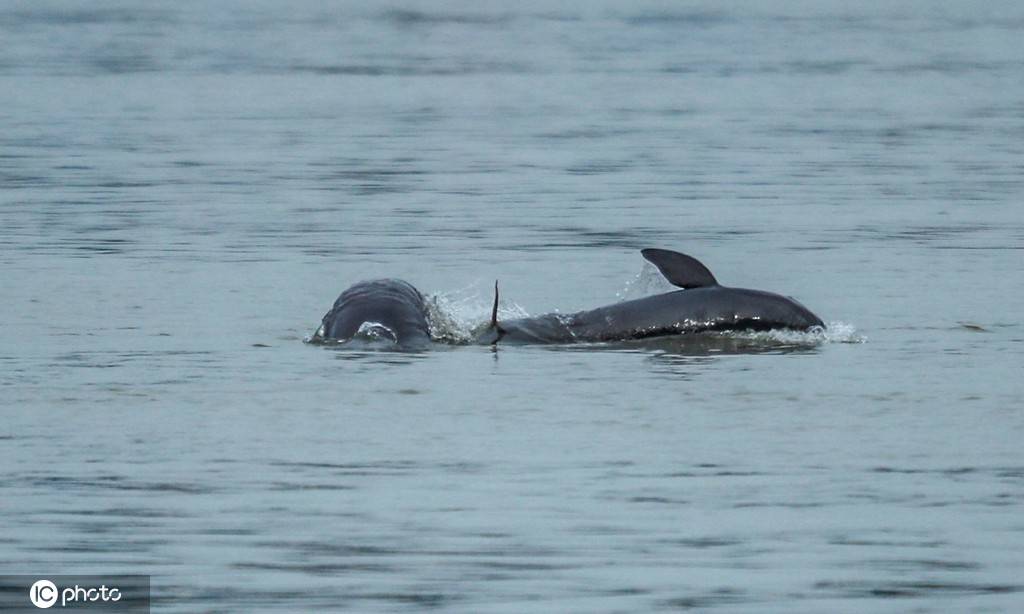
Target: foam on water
[(842, 332), (835, 332), (456, 316)]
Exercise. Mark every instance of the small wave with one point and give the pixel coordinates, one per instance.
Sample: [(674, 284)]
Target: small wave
[(370, 334), (835, 332), (316, 338), (375, 331), (843, 332)]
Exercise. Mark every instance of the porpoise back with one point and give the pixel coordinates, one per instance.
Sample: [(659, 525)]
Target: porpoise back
[(702, 305)]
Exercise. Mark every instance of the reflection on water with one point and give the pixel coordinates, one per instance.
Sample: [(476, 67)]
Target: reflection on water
[(705, 344), (389, 355)]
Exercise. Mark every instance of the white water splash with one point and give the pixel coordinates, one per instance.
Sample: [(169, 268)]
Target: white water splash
[(315, 337), (835, 332), (375, 331), (457, 316), (843, 332), (645, 283)]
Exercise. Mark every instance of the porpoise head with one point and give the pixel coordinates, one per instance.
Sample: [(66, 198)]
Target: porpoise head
[(389, 311)]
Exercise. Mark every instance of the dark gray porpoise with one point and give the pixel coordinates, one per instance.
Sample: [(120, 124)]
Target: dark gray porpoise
[(386, 309), (702, 305), (393, 310)]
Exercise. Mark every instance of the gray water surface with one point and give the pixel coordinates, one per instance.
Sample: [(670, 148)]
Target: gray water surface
[(186, 187)]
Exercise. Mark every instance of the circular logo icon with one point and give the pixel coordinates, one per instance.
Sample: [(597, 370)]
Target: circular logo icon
[(43, 594)]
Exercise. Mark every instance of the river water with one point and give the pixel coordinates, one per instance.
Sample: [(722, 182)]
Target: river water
[(186, 187)]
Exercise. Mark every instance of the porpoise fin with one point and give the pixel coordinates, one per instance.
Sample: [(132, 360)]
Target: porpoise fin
[(494, 309), (679, 269), (498, 330)]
